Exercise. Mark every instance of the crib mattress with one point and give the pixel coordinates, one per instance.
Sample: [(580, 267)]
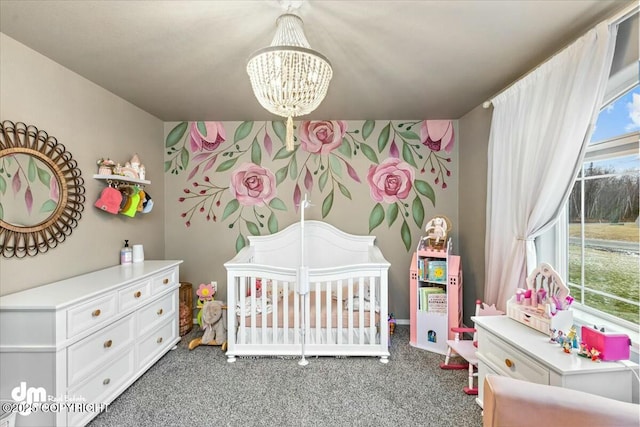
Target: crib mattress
[(337, 310)]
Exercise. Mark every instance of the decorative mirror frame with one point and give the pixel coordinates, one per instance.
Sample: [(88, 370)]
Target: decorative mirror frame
[(21, 241)]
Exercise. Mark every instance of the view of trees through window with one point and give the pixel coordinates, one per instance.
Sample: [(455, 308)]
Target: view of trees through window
[(603, 209)]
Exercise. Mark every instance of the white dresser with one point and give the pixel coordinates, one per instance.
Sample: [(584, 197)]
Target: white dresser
[(84, 340), (509, 348)]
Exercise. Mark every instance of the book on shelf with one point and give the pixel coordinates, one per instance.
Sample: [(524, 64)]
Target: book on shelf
[(424, 295), (437, 271), (437, 303)]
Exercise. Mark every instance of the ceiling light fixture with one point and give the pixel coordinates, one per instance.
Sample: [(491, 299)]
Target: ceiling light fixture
[(289, 78)]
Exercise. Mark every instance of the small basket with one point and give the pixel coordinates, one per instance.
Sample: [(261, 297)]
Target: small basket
[(186, 308)]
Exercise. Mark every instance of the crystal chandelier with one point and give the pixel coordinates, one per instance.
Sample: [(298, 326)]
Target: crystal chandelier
[(289, 78)]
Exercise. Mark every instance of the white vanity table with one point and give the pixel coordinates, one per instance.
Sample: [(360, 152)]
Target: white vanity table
[(509, 348), (88, 337)]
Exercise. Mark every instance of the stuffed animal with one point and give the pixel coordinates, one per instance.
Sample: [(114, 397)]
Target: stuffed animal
[(214, 322)]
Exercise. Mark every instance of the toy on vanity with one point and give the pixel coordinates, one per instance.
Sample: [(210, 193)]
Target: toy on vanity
[(545, 303)]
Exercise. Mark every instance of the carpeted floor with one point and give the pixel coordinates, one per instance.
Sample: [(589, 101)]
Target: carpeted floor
[(199, 388)]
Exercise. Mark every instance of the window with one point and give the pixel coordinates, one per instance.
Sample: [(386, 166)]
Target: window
[(603, 235)]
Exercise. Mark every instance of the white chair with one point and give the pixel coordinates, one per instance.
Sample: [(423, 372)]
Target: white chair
[(466, 348)]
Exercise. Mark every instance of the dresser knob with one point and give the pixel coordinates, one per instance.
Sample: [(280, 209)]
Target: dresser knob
[(137, 294), (107, 344), (160, 312), (165, 281), (508, 362), (96, 313), (159, 340), (106, 381)]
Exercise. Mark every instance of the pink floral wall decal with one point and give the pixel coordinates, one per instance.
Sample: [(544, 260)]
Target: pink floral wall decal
[(237, 181)]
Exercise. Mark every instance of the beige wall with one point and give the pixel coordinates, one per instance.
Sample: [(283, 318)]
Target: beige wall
[(472, 199), (207, 245), (91, 123)]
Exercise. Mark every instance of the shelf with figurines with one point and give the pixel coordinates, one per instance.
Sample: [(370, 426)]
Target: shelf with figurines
[(133, 172)]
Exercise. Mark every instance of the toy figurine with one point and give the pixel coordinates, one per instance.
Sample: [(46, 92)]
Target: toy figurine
[(392, 324), (566, 346)]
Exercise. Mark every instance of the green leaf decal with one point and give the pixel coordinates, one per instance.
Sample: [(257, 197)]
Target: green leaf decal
[(418, 211), (283, 154), (407, 134), (31, 170), (281, 174), (243, 130), (392, 214), (335, 164), (44, 176), (253, 228), (278, 204), (202, 128), (383, 138), (231, 207), (345, 148), (256, 152), (327, 204), (293, 169), (3, 185), (369, 153), (367, 128), (405, 233), (407, 155), (167, 165), (376, 217), (425, 189), (272, 223), (184, 157), (344, 191), (227, 164), (240, 243), (1, 211), (176, 134), (323, 180), (49, 206), (280, 129)]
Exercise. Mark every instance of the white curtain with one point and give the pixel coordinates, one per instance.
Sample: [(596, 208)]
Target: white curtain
[(539, 131)]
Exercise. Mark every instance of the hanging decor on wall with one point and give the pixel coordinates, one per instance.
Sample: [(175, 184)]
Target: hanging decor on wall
[(41, 188), (289, 78)]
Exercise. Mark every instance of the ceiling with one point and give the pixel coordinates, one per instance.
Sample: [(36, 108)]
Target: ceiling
[(185, 60)]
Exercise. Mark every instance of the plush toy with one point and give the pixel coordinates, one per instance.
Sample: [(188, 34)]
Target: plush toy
[(355, 301), (214, 323)]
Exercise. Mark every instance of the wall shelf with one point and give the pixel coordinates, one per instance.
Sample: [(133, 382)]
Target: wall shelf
[(121, 179)]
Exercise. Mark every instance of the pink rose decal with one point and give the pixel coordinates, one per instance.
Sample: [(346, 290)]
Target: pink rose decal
[(321, 137), (391, 180), (215, 136), (437, 134), (253, 185)]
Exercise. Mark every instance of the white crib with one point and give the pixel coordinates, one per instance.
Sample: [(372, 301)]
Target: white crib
[(342, 312)]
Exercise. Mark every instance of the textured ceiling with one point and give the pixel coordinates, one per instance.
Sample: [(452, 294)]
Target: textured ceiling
[(185, 60)]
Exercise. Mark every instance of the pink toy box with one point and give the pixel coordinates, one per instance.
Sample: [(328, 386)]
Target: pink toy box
[(610, 346)]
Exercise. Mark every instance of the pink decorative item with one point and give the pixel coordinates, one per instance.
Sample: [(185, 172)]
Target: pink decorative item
[(610, 346)]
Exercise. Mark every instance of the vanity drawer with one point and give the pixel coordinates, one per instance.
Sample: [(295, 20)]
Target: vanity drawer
[(85, 356), (133, 295), (511, 362), (157, 311), (157, 341), (90, 314), (103, 385), (164, 280)]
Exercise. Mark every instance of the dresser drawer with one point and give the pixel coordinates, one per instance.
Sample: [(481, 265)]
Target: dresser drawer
[(511, 362), (90, 314), (133, 295), (92, 352), (164, 280), (157, 341), (102, 386), (156, 312)]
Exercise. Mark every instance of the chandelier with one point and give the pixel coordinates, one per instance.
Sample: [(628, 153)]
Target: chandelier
[(289, 78)]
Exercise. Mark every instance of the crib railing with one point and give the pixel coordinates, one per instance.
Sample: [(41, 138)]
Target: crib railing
[(343, 314)]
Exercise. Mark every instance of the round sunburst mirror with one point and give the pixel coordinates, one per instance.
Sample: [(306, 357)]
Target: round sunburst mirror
[(41, 191)]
